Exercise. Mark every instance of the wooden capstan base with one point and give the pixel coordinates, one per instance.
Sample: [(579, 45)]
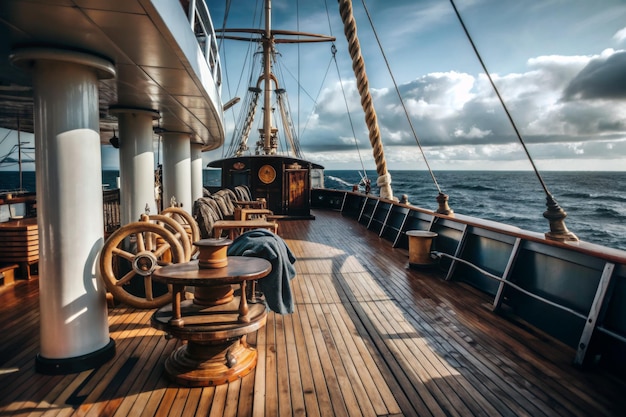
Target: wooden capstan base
[(216, 351), (200, 365), (215, 323)]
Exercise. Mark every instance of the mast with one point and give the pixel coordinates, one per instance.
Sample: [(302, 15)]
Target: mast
[(268, 38), (267, 68)]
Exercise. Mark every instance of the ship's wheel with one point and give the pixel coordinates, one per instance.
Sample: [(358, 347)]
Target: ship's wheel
[(187, 221), (177, 228), (133, 252)]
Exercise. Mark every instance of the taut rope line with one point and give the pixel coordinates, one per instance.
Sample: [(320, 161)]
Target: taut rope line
[(395, 84), (554, 214)]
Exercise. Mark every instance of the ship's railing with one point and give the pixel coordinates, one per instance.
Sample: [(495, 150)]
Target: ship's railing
[(111, 210), (202, 26), (573, 292)]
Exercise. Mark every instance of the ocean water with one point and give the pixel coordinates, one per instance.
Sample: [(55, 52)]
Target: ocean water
[(595, 202)]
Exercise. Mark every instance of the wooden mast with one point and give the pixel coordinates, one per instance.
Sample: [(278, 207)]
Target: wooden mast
[(268, 40)]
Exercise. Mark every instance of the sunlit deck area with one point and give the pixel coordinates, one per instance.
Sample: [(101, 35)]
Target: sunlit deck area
[(369, 337)]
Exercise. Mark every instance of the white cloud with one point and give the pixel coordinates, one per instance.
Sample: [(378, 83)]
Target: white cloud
[(457, 116), (473, 133), (620, 35)]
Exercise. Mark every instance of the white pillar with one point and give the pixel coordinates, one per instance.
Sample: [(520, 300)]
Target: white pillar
[(136, 162), (177, 169), (196, 172), (73, 311)]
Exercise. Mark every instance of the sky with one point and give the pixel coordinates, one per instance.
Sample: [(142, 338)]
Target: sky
[(560, 66)]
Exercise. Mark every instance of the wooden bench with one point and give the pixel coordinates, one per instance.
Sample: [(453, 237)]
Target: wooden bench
[(258, 204), (19, 243), (250, 213), (236, 227), (7, 273)]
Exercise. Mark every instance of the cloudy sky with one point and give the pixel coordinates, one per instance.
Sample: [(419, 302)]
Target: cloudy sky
[(560, 66)]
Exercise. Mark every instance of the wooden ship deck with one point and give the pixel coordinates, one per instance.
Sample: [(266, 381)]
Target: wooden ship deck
[(369, 337)]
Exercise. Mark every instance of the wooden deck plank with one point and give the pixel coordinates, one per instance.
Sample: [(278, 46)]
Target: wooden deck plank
[(284, 403), (319, 399), (232, 398), (336, 366), (143, 381), (455, 352), (219, 401), (271, 383), (511, 406), (365, 402), (411, 347), (294, 387), (524, 395), (206, 399), (366, 398), (366, 362), (303, 362), (258, 401), (368, 337)]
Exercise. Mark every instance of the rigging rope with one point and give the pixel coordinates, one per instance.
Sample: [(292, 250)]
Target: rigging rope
[(284, 118), (358, 66), (249, 57), (345, 100), (284, 109), (333, 49), (395, 84), (319, 91), (555, 214)]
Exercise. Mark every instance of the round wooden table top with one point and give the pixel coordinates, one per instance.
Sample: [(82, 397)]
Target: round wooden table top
[(239, 268)]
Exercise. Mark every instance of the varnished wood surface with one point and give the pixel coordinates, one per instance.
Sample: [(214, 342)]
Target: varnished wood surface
[(239, 268), (369, 337)]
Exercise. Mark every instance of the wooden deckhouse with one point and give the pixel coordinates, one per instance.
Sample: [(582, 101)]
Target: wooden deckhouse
[(284, 182)]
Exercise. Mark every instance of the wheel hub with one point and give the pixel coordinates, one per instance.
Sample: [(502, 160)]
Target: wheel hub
[(145, 263)]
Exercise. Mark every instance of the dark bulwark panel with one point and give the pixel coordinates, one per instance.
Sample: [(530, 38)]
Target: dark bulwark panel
[(284, 182)]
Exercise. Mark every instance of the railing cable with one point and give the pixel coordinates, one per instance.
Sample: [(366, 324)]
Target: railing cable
[(395, 84), (555, 214), (345, 100)]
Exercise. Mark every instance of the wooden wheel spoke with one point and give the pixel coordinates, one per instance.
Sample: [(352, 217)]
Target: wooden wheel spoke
[(151, 246), (162, 249), (126, 278), (123, 254), (147, 282), (141, 243), (150, 241)]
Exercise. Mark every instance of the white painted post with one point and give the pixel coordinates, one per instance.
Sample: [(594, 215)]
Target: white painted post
[(136, 162), (196, 171), (74, 325), (177, 169)]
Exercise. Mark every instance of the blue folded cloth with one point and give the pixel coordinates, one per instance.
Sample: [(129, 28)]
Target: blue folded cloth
[(276, 286)]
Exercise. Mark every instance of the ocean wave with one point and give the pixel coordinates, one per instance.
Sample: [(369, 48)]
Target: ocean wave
[(606, 212), (338, 180), (576, 195), (472, 187), (588, 196)]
